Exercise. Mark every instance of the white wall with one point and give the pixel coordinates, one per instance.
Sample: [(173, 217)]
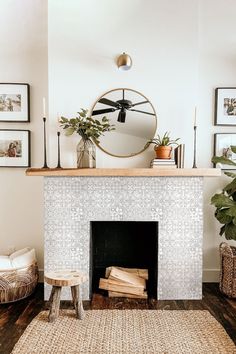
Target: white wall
[(217, 68), (86, 36), (181, 51), (23, 43)]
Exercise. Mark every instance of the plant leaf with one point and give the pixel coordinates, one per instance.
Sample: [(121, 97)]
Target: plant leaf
[(223, 160), (230, 231), (231, 187), (222, 201), (69, 131), (230, 174), (233, 195), (222, 216), (231, 211), (222, 230), (233, 148)]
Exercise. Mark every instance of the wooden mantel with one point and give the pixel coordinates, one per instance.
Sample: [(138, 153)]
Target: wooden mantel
[(126, 172)]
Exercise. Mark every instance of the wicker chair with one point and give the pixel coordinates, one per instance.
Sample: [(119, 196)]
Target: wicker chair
[(228, 270), (16, 284), (18, 275)]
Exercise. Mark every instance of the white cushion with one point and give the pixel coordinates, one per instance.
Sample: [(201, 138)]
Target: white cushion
[(19, 252), (19, 260), (5, 263)]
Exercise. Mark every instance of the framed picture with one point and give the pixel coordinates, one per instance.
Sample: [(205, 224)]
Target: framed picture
[(222, 143), (225, 106), (14, 148), (14, 103)]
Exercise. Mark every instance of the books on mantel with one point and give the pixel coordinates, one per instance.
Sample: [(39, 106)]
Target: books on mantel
[(163, 163), (179, 155), (176, 162)]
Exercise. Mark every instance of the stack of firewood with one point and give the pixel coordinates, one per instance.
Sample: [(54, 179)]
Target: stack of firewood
[(125, 282)]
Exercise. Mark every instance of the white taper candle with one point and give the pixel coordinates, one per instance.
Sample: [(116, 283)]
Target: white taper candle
[(195, 117), (44, 107)]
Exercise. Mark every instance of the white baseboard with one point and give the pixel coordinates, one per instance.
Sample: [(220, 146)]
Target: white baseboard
[(41, 275), (209, 275)]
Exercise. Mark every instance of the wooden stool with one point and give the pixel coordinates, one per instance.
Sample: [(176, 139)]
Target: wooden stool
[(57, 279)]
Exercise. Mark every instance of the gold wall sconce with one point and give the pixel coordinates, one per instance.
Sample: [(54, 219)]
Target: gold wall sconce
[(124, 62)]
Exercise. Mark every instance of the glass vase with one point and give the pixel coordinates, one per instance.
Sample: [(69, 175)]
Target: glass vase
[(86, 154)]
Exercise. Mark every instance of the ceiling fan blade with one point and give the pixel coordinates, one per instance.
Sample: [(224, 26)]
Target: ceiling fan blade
[(109, 102), (102, 111), (136, 110), (121, 116), (136, 104)]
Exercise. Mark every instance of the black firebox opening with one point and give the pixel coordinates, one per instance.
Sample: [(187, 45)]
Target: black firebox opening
[(131, 244)]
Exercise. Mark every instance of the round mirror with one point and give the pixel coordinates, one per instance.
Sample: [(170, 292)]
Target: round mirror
[(134, 120)]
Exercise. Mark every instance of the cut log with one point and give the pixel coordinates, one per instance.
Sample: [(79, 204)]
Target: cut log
[(132, 296), (121, 275), (120, 287), (142, 273)]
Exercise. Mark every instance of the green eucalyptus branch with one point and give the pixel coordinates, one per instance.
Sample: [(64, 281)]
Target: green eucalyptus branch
[(87, 127)]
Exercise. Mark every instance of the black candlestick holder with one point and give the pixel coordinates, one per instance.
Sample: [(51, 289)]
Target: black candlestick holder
[(45, 143), (58, 150), (195, 147)]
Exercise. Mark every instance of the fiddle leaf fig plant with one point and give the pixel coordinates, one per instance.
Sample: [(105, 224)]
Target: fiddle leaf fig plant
[(225, 202)]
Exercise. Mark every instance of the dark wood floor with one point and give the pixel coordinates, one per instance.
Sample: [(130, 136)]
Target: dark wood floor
[(15, 317)]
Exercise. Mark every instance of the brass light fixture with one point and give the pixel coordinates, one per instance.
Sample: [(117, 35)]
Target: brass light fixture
[(124, 62)]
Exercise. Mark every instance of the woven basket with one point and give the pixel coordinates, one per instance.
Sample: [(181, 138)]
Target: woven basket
[(228, 270), (16, 284)]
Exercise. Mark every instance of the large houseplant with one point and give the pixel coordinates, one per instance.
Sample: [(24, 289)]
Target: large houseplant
[(89, 130), (225, 213), (163, 145), (225, 202)]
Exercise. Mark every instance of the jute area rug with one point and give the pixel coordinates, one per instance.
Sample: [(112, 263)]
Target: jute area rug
[(126, 332)]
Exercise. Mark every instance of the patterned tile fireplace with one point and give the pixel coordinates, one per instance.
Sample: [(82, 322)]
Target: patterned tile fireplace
[(72, 203)]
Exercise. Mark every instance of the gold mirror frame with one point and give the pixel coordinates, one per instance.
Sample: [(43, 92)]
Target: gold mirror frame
[(139, 93)]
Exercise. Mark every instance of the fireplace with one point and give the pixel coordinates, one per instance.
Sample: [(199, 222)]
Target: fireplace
[(175, 203), (129, 244)]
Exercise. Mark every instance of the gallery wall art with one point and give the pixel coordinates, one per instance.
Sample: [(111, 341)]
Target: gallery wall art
[(14, 102), (14, 148)]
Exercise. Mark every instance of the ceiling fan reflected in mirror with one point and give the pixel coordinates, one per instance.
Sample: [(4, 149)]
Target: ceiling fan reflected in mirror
[(135, 111), (122, 106)]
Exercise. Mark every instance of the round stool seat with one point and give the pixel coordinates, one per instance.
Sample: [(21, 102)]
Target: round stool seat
[(65, 278)]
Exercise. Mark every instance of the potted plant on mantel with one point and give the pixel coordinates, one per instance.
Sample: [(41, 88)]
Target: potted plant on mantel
[(89, 130), (162, 145), (225, 213)]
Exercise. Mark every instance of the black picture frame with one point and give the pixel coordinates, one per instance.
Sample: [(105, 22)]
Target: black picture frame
[(224, 141), (12, 140), (14, 102), (225, 106)]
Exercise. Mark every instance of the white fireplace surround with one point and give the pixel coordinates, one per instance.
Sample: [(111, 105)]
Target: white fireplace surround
[(71, 203)]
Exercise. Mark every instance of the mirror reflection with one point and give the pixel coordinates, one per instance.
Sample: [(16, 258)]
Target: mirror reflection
[(133, 117)]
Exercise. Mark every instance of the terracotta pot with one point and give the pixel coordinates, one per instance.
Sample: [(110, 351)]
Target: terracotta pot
[(163, 152)]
